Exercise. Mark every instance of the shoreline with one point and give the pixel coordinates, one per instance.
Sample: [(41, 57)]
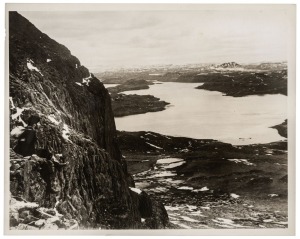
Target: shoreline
[(209, 173), (210, 184), (125, 105), (232, 83), (282, 128)]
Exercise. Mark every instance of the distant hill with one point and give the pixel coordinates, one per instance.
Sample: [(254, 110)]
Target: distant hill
[(268, 66), (229, 65)]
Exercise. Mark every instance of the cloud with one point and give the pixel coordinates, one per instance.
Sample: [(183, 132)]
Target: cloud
[(138, 38)]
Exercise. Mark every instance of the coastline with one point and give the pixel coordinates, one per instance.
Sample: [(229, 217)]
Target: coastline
[(257, 174)]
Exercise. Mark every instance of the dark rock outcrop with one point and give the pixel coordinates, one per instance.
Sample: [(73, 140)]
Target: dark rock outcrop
[(282, 128), (66, 167), (229, 65)]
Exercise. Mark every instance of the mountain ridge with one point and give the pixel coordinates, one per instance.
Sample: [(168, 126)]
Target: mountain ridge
[(66, 168)]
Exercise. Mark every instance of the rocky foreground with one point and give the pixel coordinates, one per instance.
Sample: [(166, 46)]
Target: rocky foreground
[(209, 184), (66, 169)]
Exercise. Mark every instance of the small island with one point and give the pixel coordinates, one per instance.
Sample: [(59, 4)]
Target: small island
[(124, 104)]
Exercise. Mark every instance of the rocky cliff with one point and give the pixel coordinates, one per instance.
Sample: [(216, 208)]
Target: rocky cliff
[(66, 169)]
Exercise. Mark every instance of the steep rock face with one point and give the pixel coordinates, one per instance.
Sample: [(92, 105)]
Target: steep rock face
[(64, 154)]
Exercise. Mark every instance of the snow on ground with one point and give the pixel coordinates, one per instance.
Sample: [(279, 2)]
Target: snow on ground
[(18, 113), (172, 181), (273, 195), (53, 120), (87, 80), (191, 207), (151, 134), (77, 83), (168, 160), (141, 174), (227, 223), (31, 67), (205, 208), (142, 184), (17, 205), (188, 219), (137, 190), (49, 60), (154, 146), (282, 223), (267, 220), (233, 195), (201, 189), (243, 161), (230, 69), (181, 225), (12, 103), (197, 213), (173, 208), (185, 188), (157, 189), (162, 174), (174, 165), (17, 131)]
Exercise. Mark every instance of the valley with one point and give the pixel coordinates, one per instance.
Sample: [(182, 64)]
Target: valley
[(202, 181)]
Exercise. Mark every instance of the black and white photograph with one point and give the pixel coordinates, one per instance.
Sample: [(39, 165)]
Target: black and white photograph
[(158, 117)]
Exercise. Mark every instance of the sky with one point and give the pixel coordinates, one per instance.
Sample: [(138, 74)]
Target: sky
[(107, 39)]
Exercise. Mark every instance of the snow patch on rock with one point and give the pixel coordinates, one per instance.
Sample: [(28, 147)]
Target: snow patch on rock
[(87, 80), (53, 120), (168, 160), (243, 161), (273, 195), (154, 146), (136, 190), (12, 103), (17, 131), (185, 188), (226, 223), (188, 219), (17, 205), (31, 67), (174, 165), (18, 113), (163, 174), (233, 195), (201, 189)]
